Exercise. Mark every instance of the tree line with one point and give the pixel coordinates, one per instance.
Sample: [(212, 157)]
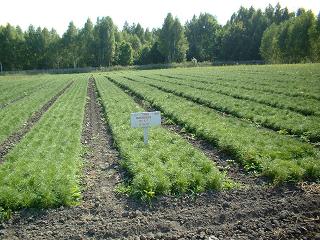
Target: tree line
[(274, 35)]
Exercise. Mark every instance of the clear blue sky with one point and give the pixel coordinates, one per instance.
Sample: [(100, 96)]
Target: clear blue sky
[(149, 13)]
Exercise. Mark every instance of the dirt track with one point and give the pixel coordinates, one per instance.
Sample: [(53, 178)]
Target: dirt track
[(255, 213)]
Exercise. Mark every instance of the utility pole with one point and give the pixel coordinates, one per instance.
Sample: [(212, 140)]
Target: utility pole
[(1, 67)]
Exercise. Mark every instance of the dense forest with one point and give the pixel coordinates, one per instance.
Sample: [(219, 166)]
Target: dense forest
[(274, 35)]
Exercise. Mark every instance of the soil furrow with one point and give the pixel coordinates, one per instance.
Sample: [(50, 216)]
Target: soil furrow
[(14, 138)]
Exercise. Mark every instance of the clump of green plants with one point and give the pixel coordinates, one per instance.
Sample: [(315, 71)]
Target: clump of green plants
[(4, 214)]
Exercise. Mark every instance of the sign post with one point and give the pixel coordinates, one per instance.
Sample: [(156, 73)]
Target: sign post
[(145, 120)]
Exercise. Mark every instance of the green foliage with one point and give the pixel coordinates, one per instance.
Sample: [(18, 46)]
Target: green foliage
[(173, 43), (283, 170), (241, 36), (11, 47), (71, 48), (4, 214), (104, 33), (202, 35), (125, 54), (292, 41), (314, 33), (86, 42), (167, 165)]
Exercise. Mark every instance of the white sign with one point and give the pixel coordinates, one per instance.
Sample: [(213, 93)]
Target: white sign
[(145, 119)]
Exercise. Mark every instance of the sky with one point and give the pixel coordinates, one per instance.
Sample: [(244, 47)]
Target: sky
[(149, 13)]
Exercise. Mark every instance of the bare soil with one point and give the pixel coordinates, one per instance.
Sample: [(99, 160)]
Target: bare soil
[(14, 138), (255, 212)]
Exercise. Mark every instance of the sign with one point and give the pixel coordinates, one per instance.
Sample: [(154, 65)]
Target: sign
[(145, 120)]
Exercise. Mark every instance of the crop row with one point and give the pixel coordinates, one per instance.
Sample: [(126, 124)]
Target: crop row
[(267, 116), (277, 156), (258, 85), (43, 169), (300, 80), (168, 164), (9, 83), (16, 114), (302, 106), (257, 79), (18, 91)]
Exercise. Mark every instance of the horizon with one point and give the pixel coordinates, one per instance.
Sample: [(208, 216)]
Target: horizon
[(141, 11)]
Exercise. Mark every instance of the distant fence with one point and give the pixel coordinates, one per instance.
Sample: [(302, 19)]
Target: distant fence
[(135, 67)]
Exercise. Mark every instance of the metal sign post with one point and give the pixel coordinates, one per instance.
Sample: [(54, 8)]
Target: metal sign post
[(145, 120)]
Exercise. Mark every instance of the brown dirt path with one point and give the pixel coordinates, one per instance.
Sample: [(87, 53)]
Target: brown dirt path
[(259, 213)]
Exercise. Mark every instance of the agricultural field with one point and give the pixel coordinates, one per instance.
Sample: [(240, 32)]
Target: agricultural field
[(237, 154)]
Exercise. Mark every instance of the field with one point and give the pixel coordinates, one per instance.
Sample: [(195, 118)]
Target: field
[(237, 154)]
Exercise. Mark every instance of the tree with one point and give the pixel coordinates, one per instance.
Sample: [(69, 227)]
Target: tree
[(125, 54), (291, 41), (277, 14), (104, 32), (71, 46), (47, 39), (202, 35), (173, 43), (241, 36), (139, 31), (136, 45), (11, 48), (155, 54), (300, 12), (86, 39), (298, 37), (269, 45), (148, 36), (54, 49), (145, 55), (314, 33)]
